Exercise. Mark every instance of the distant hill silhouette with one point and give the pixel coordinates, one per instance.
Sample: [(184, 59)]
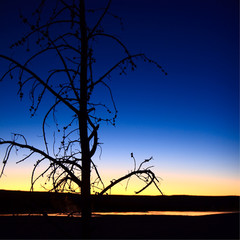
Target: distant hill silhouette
[(46, 202)]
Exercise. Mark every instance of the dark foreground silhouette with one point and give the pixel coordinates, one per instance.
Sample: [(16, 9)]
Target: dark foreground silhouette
[(219, 226), (40, 202), (141, 227)]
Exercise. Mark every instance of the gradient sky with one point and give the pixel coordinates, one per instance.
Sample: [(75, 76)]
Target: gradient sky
[(188, 120)]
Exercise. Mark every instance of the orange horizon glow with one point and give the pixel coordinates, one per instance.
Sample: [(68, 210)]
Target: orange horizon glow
[(173, 184)]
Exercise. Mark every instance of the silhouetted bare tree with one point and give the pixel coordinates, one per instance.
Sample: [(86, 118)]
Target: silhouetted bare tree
[(64, 38)]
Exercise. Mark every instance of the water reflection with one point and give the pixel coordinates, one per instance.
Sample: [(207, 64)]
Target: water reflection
[(99, 214), (175, 213)]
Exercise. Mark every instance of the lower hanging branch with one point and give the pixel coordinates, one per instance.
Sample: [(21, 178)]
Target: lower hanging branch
[(59, 163), (145, 175)]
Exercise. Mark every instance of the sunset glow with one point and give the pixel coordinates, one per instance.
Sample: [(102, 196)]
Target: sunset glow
[(173, 184)]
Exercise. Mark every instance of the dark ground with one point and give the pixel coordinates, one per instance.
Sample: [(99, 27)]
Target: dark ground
[(39, 202), (223, 226)]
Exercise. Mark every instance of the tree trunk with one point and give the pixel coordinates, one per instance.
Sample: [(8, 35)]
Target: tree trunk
[(83, 127)]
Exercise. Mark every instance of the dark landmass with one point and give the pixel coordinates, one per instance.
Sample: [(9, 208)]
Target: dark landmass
[(222, 226), (39, 202), (219, 226)]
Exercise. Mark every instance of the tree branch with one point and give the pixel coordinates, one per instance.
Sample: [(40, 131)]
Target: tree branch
[(59, 163), (42, 82)]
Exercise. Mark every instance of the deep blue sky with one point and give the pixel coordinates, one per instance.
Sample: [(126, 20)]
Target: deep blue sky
[(188, 120)]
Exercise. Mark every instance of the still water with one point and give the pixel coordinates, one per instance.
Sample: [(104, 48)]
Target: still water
[(176, 213), (99, 214)]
